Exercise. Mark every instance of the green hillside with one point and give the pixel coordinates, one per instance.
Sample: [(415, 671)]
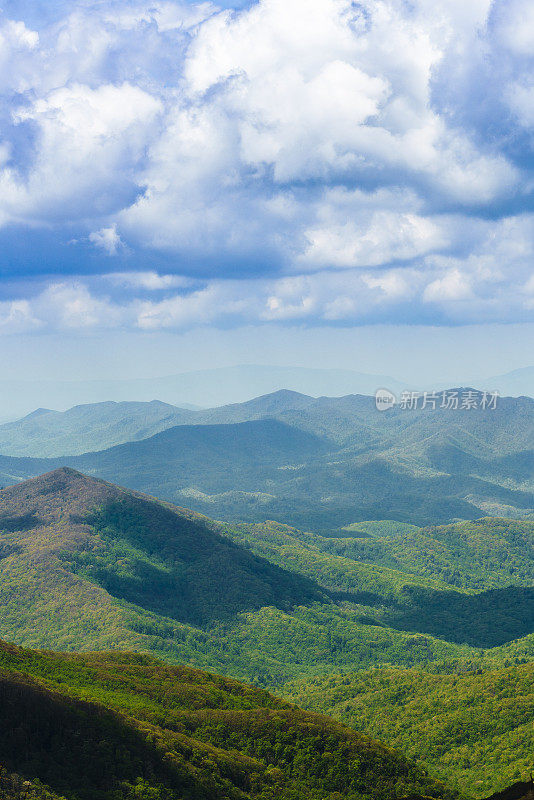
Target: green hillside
[(86, 565), (472, 729), (128, 727), (407, 597), (487, 553)]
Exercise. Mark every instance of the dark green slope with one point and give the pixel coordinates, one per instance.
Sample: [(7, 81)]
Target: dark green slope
[(214, 457), (119, 727)]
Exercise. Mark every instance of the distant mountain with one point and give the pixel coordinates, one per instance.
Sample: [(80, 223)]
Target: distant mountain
[(45, 433), (515, 383), (205, 388), (124, 726), (97, 426), (324, 463)]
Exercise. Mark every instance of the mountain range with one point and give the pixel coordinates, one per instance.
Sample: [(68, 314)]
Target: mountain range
[(224, 385), (86, 565), (316, 463), (199, 388)]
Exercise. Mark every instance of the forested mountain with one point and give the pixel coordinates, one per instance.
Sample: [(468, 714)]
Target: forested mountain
[(471, 728), (85, 565), (128, 727)]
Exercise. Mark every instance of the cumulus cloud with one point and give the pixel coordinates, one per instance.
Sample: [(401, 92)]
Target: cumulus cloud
[(319, 159), (108, 239)]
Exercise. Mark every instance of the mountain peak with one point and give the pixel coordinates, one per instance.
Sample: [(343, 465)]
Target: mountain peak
[(65, 519), (49, 494)]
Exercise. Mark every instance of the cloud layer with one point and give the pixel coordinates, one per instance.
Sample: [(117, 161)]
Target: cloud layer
[(319, 160)]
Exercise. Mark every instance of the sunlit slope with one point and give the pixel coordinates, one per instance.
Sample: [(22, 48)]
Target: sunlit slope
[(473, 729), (87, 565), (118, 727)]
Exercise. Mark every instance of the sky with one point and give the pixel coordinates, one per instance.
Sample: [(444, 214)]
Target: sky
[(313, 182)]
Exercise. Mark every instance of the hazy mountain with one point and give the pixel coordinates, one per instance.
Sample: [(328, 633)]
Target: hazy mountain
[(84, 428), (323, 463), (515, 383), (206, 388), (351, 420), (97, 426)]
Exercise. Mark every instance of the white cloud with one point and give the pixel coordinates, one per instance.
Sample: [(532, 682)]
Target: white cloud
[(307, 142), (108, 239), (86, 137), (453, 286), (16, 316), (72, 306), (150, 281)]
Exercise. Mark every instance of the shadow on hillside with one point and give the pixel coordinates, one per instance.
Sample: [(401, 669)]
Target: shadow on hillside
[(488, 619)]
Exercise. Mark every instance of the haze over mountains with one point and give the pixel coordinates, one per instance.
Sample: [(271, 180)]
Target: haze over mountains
[(204, 388), (221, 386), (317, 463)]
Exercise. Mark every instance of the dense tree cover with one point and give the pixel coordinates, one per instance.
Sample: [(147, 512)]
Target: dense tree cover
[(96, 567), (127, 727), (487, 553), (169, 563), (470, 724), (88, 566), (14, 787), (412, 600), (85, 565)]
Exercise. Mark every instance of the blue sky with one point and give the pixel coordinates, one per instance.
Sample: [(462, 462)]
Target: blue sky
[(168, 167)]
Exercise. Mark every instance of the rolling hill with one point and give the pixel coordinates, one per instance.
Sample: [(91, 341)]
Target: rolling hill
[(45, 433), (86, 565), (128, 727)]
